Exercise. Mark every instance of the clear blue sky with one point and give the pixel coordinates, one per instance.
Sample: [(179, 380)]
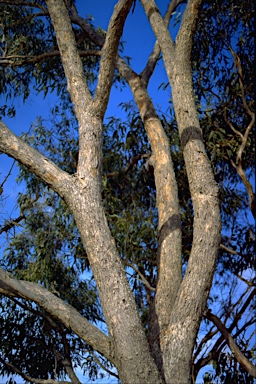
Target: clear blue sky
[(139, 41)]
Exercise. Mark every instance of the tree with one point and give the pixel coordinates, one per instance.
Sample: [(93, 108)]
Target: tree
[(152, 342)]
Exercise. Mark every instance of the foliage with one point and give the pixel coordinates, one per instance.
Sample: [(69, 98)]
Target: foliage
[(48, 249)]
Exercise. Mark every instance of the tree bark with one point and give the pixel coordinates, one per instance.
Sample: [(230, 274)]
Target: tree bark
[(58, 309), (82, 193), (178, 305), (190, 303)]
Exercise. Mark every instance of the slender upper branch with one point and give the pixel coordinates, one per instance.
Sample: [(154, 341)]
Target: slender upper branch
[(160, 29), (188, 25), (216, 347), (72, 64), (92, 34), (108, 55), (154, 56), (57, 308), (232, 345), (67, 363)]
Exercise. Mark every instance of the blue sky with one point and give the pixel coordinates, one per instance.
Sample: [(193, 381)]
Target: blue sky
[(139, 41)]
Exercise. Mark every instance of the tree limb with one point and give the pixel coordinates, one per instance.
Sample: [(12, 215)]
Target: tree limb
[(244, 137), (143, 279), (102, 365), (29, 378), (108, 55), (17, 60), (159, 27), (92, 34), (66, 362), (57, 308), (154, 56), (188, 25), (72, 64), (205, 360), (239, 356), (40, 165), (26, 3)]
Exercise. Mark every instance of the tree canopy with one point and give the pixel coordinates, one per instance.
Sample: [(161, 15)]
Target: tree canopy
[(134, 195)]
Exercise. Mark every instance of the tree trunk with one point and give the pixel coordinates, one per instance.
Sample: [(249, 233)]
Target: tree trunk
[(195, 287), (177, 340), (178, 304)]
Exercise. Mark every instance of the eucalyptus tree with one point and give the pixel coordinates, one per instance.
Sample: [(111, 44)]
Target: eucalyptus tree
[(136, 203)]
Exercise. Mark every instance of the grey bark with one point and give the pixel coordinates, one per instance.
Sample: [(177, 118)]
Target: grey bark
[(179, 304), (190, 303)]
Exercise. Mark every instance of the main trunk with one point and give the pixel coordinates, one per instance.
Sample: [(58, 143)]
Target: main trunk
[(128, 341)]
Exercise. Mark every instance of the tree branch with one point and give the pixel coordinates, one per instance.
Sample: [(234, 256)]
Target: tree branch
[(186, 32), (227, 249), (108, 55), (205, 360), (66, 362), (40, 165), (238, 166), (244, 137), (102, 365), (161, 32), (249, 283), (17, 60), (26, 3), (72, 64), (6, 177), (247, 185), (154, 56), (29, 378), (143, 279), (91, 33), (57, 308), (239, 356)]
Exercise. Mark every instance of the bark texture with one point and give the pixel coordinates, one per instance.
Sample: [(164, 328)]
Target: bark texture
[(190, 302), (130, 348), (178, 304)]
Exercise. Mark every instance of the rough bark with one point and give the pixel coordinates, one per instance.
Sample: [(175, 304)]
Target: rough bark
[(178, 305), (169, 255), (169, 221), (83, 196), (191, 300)]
